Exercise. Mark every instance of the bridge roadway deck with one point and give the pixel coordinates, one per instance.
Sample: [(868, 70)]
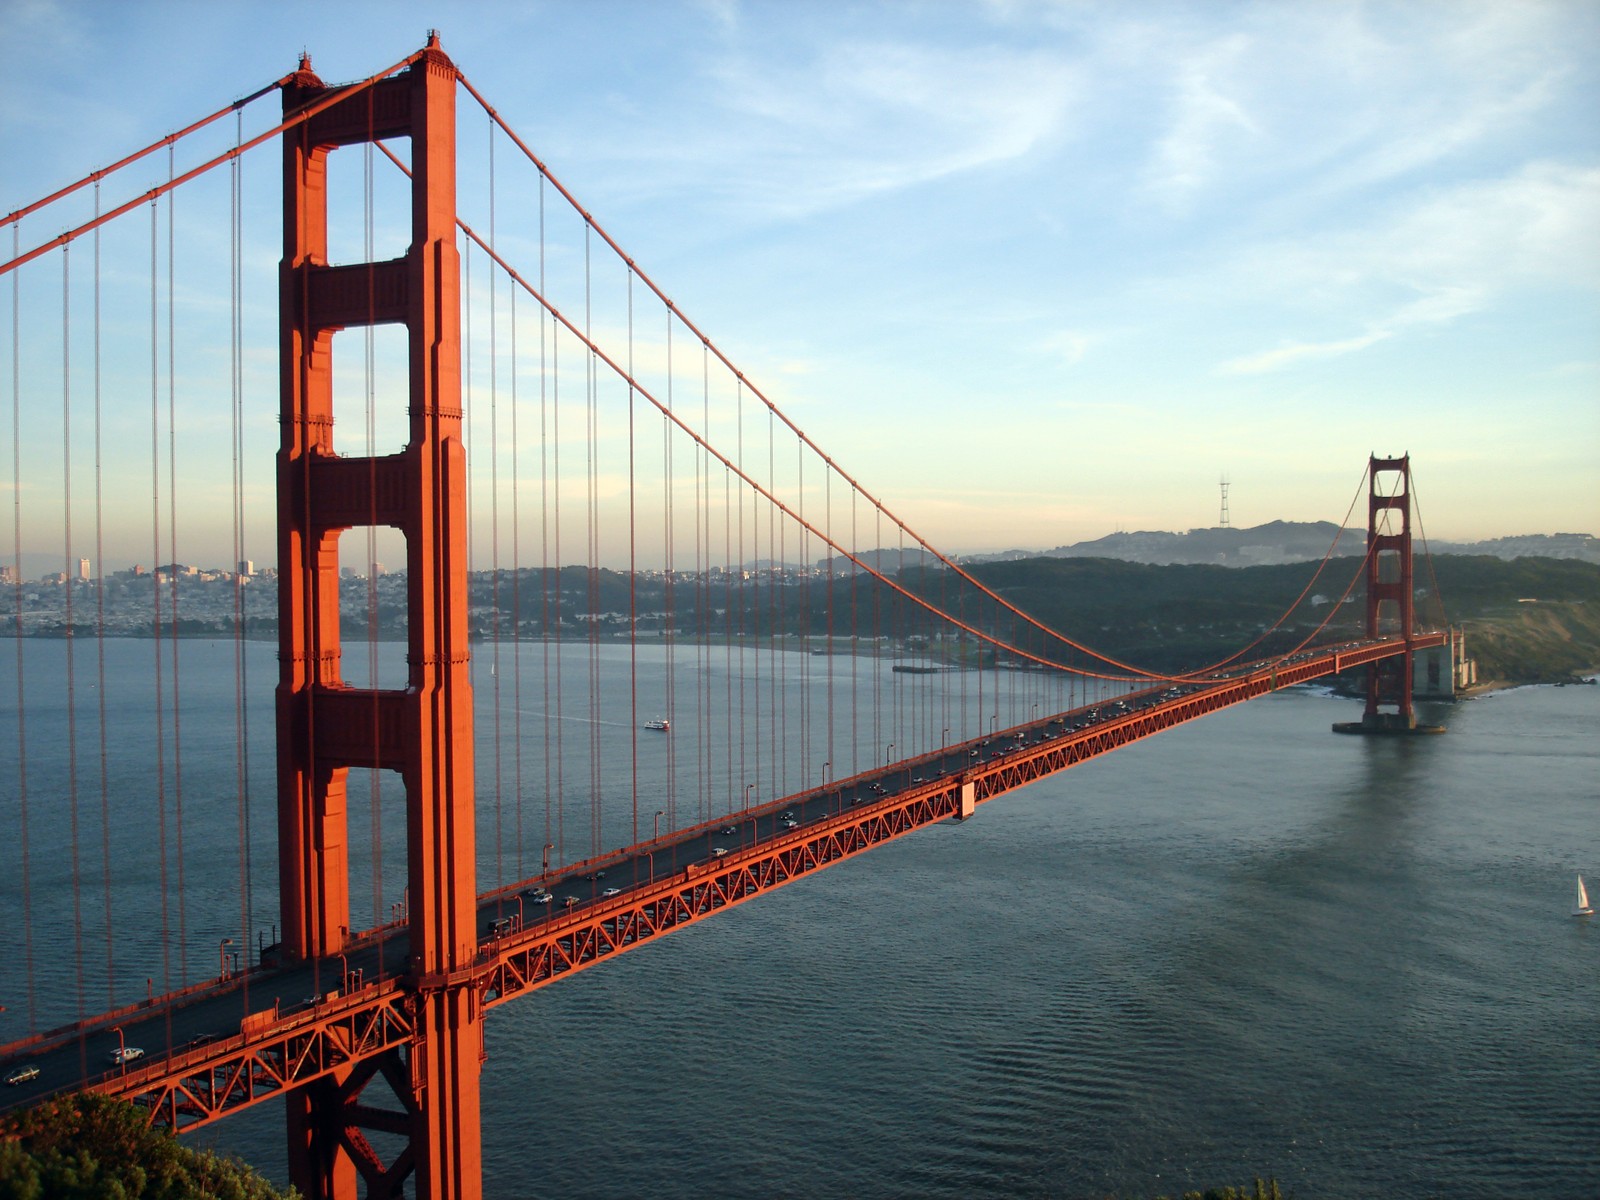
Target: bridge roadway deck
[(231, 1043)]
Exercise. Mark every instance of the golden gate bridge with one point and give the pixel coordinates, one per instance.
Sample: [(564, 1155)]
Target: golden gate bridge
[(662, 654)]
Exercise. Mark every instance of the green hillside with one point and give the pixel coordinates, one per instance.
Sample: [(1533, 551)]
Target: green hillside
[(1529, 620)]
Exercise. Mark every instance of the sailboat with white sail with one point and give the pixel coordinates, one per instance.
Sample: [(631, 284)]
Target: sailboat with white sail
[(1582, 908)]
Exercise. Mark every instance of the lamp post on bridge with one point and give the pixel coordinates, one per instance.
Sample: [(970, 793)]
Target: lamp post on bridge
[(222, 958), (545, 869), (887, 750), (747, 788), (122, 1048)]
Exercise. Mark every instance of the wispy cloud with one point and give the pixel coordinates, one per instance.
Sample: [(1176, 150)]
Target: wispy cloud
[(1068, 345), (1204, 116), (1457, 252), (795, 133), (1282, 104), (1283, 356)]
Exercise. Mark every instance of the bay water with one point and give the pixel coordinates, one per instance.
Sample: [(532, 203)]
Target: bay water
[(1246, 947)]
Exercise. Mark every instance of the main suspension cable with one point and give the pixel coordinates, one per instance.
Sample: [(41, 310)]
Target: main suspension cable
[(1130, 670), (300, 117)]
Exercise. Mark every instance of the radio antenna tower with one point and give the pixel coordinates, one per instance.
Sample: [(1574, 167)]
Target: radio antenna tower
[(1224, 518)]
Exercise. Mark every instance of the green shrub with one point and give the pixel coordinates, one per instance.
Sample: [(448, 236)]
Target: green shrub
[(89, 1147)]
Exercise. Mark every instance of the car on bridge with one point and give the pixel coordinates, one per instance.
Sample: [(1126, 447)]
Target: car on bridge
[(125, 1054), (22, 1075)]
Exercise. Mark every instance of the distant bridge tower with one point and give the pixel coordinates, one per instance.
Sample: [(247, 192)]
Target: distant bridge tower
[(422, 731), (1223, 519), (1390, 592)]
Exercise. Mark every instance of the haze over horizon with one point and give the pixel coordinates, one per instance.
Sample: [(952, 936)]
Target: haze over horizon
[(35, 565), (1017, 265)]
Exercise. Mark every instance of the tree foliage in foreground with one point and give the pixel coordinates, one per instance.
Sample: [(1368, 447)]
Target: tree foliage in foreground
[(88, 1147)]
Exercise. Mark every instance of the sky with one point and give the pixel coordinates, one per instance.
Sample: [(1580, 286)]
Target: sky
[(1032, 271)]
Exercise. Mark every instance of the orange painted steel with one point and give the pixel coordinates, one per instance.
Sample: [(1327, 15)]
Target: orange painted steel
[(338, 1045), (1390, 591), (423, 731), (272, 1056), (526, 961)]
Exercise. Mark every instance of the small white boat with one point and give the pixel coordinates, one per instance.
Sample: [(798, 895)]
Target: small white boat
[(659, 724), (1582, 908)]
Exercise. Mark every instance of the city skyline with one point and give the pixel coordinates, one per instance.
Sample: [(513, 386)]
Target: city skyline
[(1032, 272)]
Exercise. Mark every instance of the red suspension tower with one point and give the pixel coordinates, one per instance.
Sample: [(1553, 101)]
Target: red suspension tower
[(423, 731), (1389, 593)]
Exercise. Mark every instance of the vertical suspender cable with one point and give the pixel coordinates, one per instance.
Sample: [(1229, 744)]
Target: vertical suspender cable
[(558, 632), (16, 559), (776, 777), (740, 604), (546, 632), (702, 565), (827, 600), (67, 590), (756, 630), (240, 582), (752, 657), (877, 633), (516, 590), (737, 603), (244, 656), (100, 635), (591, 546), (155, 578), (494, 528), (633, 586), (669, 593), (855, 640), (803, 616), (730, 617), (1427, 555), (172, 541), (781, 658)]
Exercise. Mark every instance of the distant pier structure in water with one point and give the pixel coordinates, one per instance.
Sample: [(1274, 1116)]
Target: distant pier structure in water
[(1443, 672)]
